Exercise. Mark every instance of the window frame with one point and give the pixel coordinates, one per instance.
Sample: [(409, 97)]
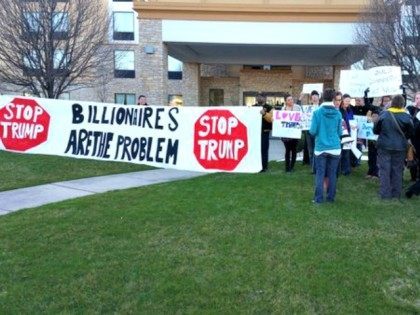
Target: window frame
[(125, 98), (124, 73), (123, 36)]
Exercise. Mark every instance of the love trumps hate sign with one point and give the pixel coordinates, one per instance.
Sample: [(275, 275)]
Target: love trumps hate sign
[(287, 124)]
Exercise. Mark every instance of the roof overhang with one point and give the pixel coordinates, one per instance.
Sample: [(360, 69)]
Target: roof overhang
[(262, 43), (266, 54)]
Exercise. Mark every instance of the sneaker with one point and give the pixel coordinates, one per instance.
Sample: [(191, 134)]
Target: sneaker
[(316, 202)]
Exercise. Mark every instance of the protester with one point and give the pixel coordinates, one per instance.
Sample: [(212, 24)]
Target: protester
[(338, 99), (394, 126), (372, 114), (414, 111), (308, 140), (142, 100), (361, 108), (289, 143), (347, 115), (385, 102), (326, 128), (267, 125)]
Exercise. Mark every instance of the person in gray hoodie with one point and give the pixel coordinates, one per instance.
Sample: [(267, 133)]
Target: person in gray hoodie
[(326, 128)]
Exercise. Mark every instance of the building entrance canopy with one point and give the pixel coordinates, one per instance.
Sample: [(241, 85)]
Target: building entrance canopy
[(275, 43)]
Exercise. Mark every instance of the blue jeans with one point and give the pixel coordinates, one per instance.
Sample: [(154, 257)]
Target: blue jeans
[(326, 165)]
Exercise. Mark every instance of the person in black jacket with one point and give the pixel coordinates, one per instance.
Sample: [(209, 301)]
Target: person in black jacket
[(414, 111), (394, 126), (267, 125), (373, 112), (347, 114)]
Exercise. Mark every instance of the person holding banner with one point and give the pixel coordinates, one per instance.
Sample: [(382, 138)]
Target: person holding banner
[(290, 144), (394, 126), (326, 128), (347, 115), (385, 102), (338, 99), (308, 144), (372, 114), (267, 125), (414, 111)]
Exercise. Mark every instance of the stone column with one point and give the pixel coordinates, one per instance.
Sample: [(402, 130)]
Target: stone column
[(153, 63), (191, 75)]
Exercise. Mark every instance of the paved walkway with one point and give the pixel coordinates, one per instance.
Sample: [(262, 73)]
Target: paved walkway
[(30, 197), (17, 199)]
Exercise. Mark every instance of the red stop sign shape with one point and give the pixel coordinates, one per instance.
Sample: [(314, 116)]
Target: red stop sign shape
[(24, 124), (220, 140)]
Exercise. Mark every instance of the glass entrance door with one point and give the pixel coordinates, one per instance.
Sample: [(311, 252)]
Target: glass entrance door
[(273, 98)]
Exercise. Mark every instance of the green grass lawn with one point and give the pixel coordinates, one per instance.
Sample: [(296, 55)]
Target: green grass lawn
[(23, 170), (217, 244)]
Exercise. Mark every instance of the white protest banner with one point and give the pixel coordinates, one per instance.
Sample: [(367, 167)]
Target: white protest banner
[(365, 128), (309, 87), (353, 82), (384, 81), (306, 118), (189, 138), (287, 124), (353, 134), (380, 81)]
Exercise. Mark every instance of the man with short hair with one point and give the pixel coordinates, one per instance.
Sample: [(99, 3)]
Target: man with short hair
[(267, 124), (308, 144), (326, 128), (142, 100), (414, 111)]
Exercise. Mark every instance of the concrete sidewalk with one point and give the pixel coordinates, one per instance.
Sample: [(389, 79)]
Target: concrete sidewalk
[(30, 197)]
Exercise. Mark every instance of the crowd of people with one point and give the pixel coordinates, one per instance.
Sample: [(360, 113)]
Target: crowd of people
[(327, 144)]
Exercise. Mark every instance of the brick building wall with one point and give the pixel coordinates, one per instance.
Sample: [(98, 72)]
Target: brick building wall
[(265, 81), (230, 86)]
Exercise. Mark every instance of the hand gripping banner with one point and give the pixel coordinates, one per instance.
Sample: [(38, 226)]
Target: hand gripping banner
[(205, 139)]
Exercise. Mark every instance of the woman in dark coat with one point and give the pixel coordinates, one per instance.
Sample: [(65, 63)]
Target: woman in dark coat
[(394, 126)]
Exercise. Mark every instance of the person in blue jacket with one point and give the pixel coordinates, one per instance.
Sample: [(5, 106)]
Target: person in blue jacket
[(326, 128)]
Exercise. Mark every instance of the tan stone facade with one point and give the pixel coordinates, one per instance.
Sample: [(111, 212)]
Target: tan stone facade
[(230, 86)]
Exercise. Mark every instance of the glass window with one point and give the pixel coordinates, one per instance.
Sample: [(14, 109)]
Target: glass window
[(60, 22), (216, 97), (125, 98), (124, 60), (174, 64), (175, 100), (32, 18), (31, 61), (174, 69), (123, 25), (60, 60), (124, 64)]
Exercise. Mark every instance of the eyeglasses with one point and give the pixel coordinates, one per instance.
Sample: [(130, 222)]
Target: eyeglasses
[(338, 100)]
